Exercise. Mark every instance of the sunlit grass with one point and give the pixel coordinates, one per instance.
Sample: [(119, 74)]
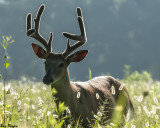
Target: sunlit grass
[(31, 104)]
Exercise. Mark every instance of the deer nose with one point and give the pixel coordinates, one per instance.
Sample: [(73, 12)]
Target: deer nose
[(47, 80)]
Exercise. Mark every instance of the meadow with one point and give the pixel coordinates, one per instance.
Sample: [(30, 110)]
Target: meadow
[(26, 103), (32, 104)]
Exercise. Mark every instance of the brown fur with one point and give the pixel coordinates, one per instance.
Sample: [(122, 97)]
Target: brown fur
[(87, 105)]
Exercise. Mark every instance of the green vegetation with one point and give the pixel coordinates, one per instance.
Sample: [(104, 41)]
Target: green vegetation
[(31, 104), (26, 103)]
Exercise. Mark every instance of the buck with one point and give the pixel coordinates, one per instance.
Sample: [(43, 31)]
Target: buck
[(83, 98)]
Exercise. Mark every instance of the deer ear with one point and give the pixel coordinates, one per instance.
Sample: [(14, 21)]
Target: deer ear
[(39, 51), (77, 56)]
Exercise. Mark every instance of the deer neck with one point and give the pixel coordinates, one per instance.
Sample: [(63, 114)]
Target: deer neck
[(64, 88)]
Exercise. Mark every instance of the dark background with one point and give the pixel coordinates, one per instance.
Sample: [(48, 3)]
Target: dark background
[(119, 32)]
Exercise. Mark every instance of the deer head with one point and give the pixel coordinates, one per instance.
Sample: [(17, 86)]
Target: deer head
[(56, 63)]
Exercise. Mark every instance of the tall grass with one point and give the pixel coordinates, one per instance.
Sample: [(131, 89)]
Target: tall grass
[(6, 41), (29, 104), (35, 107)]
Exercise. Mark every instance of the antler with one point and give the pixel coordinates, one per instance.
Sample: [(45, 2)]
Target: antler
[(34, 32), (81, 39)]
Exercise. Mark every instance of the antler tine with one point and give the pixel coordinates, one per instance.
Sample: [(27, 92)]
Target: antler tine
[(81, 39), (50, 42), (34, 32)]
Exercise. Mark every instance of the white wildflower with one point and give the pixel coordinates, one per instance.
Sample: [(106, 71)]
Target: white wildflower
[(95, 116), (78, 95), (133, 126), (44, 88), (155, 100), (154, 109), (16, 96), (11, 90), (69, 126), (136, 97), (41, 116), (33, 90), (7, 112), (113, 90), (68, 110), (19, 102), (145, 108), (28, 118), (102, 107), (121, 87), (1, 103), (34, 123), (97, 96), (99, 113), (55, 116), (48, 113), (39, 104), (140, 98), (26, 105), (147, 124), (39, 111), (156, 117), (7, 87), (111, 124), (40, 100), (149, 114), (33, 107)]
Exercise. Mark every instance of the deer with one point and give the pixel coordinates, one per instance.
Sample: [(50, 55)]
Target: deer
[(84, 99)]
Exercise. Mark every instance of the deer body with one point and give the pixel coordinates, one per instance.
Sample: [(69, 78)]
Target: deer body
[(83, 98), (87, 105)]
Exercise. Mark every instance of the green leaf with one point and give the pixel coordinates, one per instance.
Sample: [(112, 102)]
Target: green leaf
[(6, 64), (90, 74), (8, 57), (4, 47), (53, 91)]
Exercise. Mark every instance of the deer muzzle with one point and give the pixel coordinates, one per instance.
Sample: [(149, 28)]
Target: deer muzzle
[(47, 80)]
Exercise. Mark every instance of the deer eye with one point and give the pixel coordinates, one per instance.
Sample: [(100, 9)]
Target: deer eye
[(61, 65)]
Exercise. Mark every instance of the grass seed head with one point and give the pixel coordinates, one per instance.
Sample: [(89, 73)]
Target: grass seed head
[(156, 117), (147, 124), (55, 116), (39, 111), (78, 95), (19, 102), (140, 99), (33, 107), (68, 110), (155, 100), (121, 87), (97, 96), (48, 113), (113, 90), (69, 126), (1, 103)]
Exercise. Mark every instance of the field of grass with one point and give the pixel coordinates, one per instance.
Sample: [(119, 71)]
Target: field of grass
[(31, 104), (26, 103)]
